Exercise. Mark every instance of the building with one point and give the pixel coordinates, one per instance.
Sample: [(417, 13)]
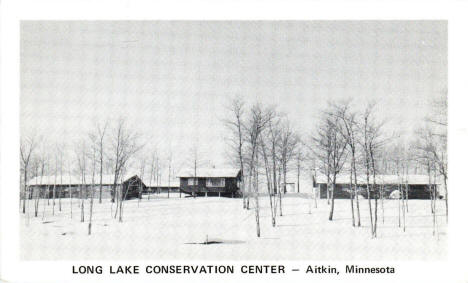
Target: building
[(165, 187), (158, 185), (418, 186), (77, 186), (211, 182)]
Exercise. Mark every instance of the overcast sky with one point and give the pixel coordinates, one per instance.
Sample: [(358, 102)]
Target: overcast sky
[(172, 80)]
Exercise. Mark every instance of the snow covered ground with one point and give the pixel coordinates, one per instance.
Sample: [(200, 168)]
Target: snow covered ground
[(167, 228)]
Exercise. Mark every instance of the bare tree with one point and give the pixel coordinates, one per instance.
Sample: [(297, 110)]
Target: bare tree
[(60, 168), (330, 147), (142, 176), (272, 171), (124, 146), (27, 147), (55, 182), (321, 150), (46, 188), (437, 122), (98, 138), (371, 144), (153, 170), (397, 153), (427, 155), (93, 159), (195, 160), (349, 130), (288, 141), (169, 171), (236, 125), (258, 120), (271, 182), (42, 166), (299, 159), (70, 193), (82, 156)]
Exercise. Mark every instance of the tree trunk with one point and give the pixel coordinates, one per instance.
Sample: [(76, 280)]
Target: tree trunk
[(399, 205), (53, 201), (356, 195), (257, 204), (375, 210), (82, 206), (382, 202), (332, 202), (370, 206), (284, 189), (404, 212), (446, 199), (36, 203), (351, 197), (71, 203), (91, 210), (24, 190), (44, 205), (269, 185)]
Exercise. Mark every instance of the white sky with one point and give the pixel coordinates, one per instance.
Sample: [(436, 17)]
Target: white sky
[(172, 80)]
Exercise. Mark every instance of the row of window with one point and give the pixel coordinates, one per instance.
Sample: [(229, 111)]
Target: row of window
[(210, 182)]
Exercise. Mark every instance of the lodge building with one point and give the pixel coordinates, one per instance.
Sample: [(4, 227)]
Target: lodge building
[(418, 186), (63, 186), (211, 182)]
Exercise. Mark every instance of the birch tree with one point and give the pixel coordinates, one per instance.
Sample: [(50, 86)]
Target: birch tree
[(153, 170), (124, 144), (331, 149), (349, 130), (371, 144), (437, 123), (259, 117), (288, 141), (93, 162), (82, 156), (235, 124), (98, 138), (27, 147)]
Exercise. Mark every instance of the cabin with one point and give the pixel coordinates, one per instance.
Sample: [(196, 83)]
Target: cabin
[(211, 182), (418, 186), (66, 186)]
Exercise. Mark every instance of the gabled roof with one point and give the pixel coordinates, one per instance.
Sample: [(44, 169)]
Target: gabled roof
[(380, 179), (211, 173), (76, 180)]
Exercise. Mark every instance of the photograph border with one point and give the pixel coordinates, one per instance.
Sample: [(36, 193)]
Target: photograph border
[(12, 269)]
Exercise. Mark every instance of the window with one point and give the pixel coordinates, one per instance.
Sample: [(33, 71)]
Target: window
[(192, 181), (215, 182)]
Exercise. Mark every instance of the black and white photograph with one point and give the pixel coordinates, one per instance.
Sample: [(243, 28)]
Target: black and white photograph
[(234, 140)]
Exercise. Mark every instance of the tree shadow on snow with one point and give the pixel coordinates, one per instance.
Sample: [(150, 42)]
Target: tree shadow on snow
[(216, 241)]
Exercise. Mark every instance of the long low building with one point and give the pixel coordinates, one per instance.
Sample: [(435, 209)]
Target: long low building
[(66, 186), (160, 185), (418, 186)]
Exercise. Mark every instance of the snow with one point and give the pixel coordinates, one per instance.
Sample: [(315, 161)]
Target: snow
[(395, 194), (165, 229)]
